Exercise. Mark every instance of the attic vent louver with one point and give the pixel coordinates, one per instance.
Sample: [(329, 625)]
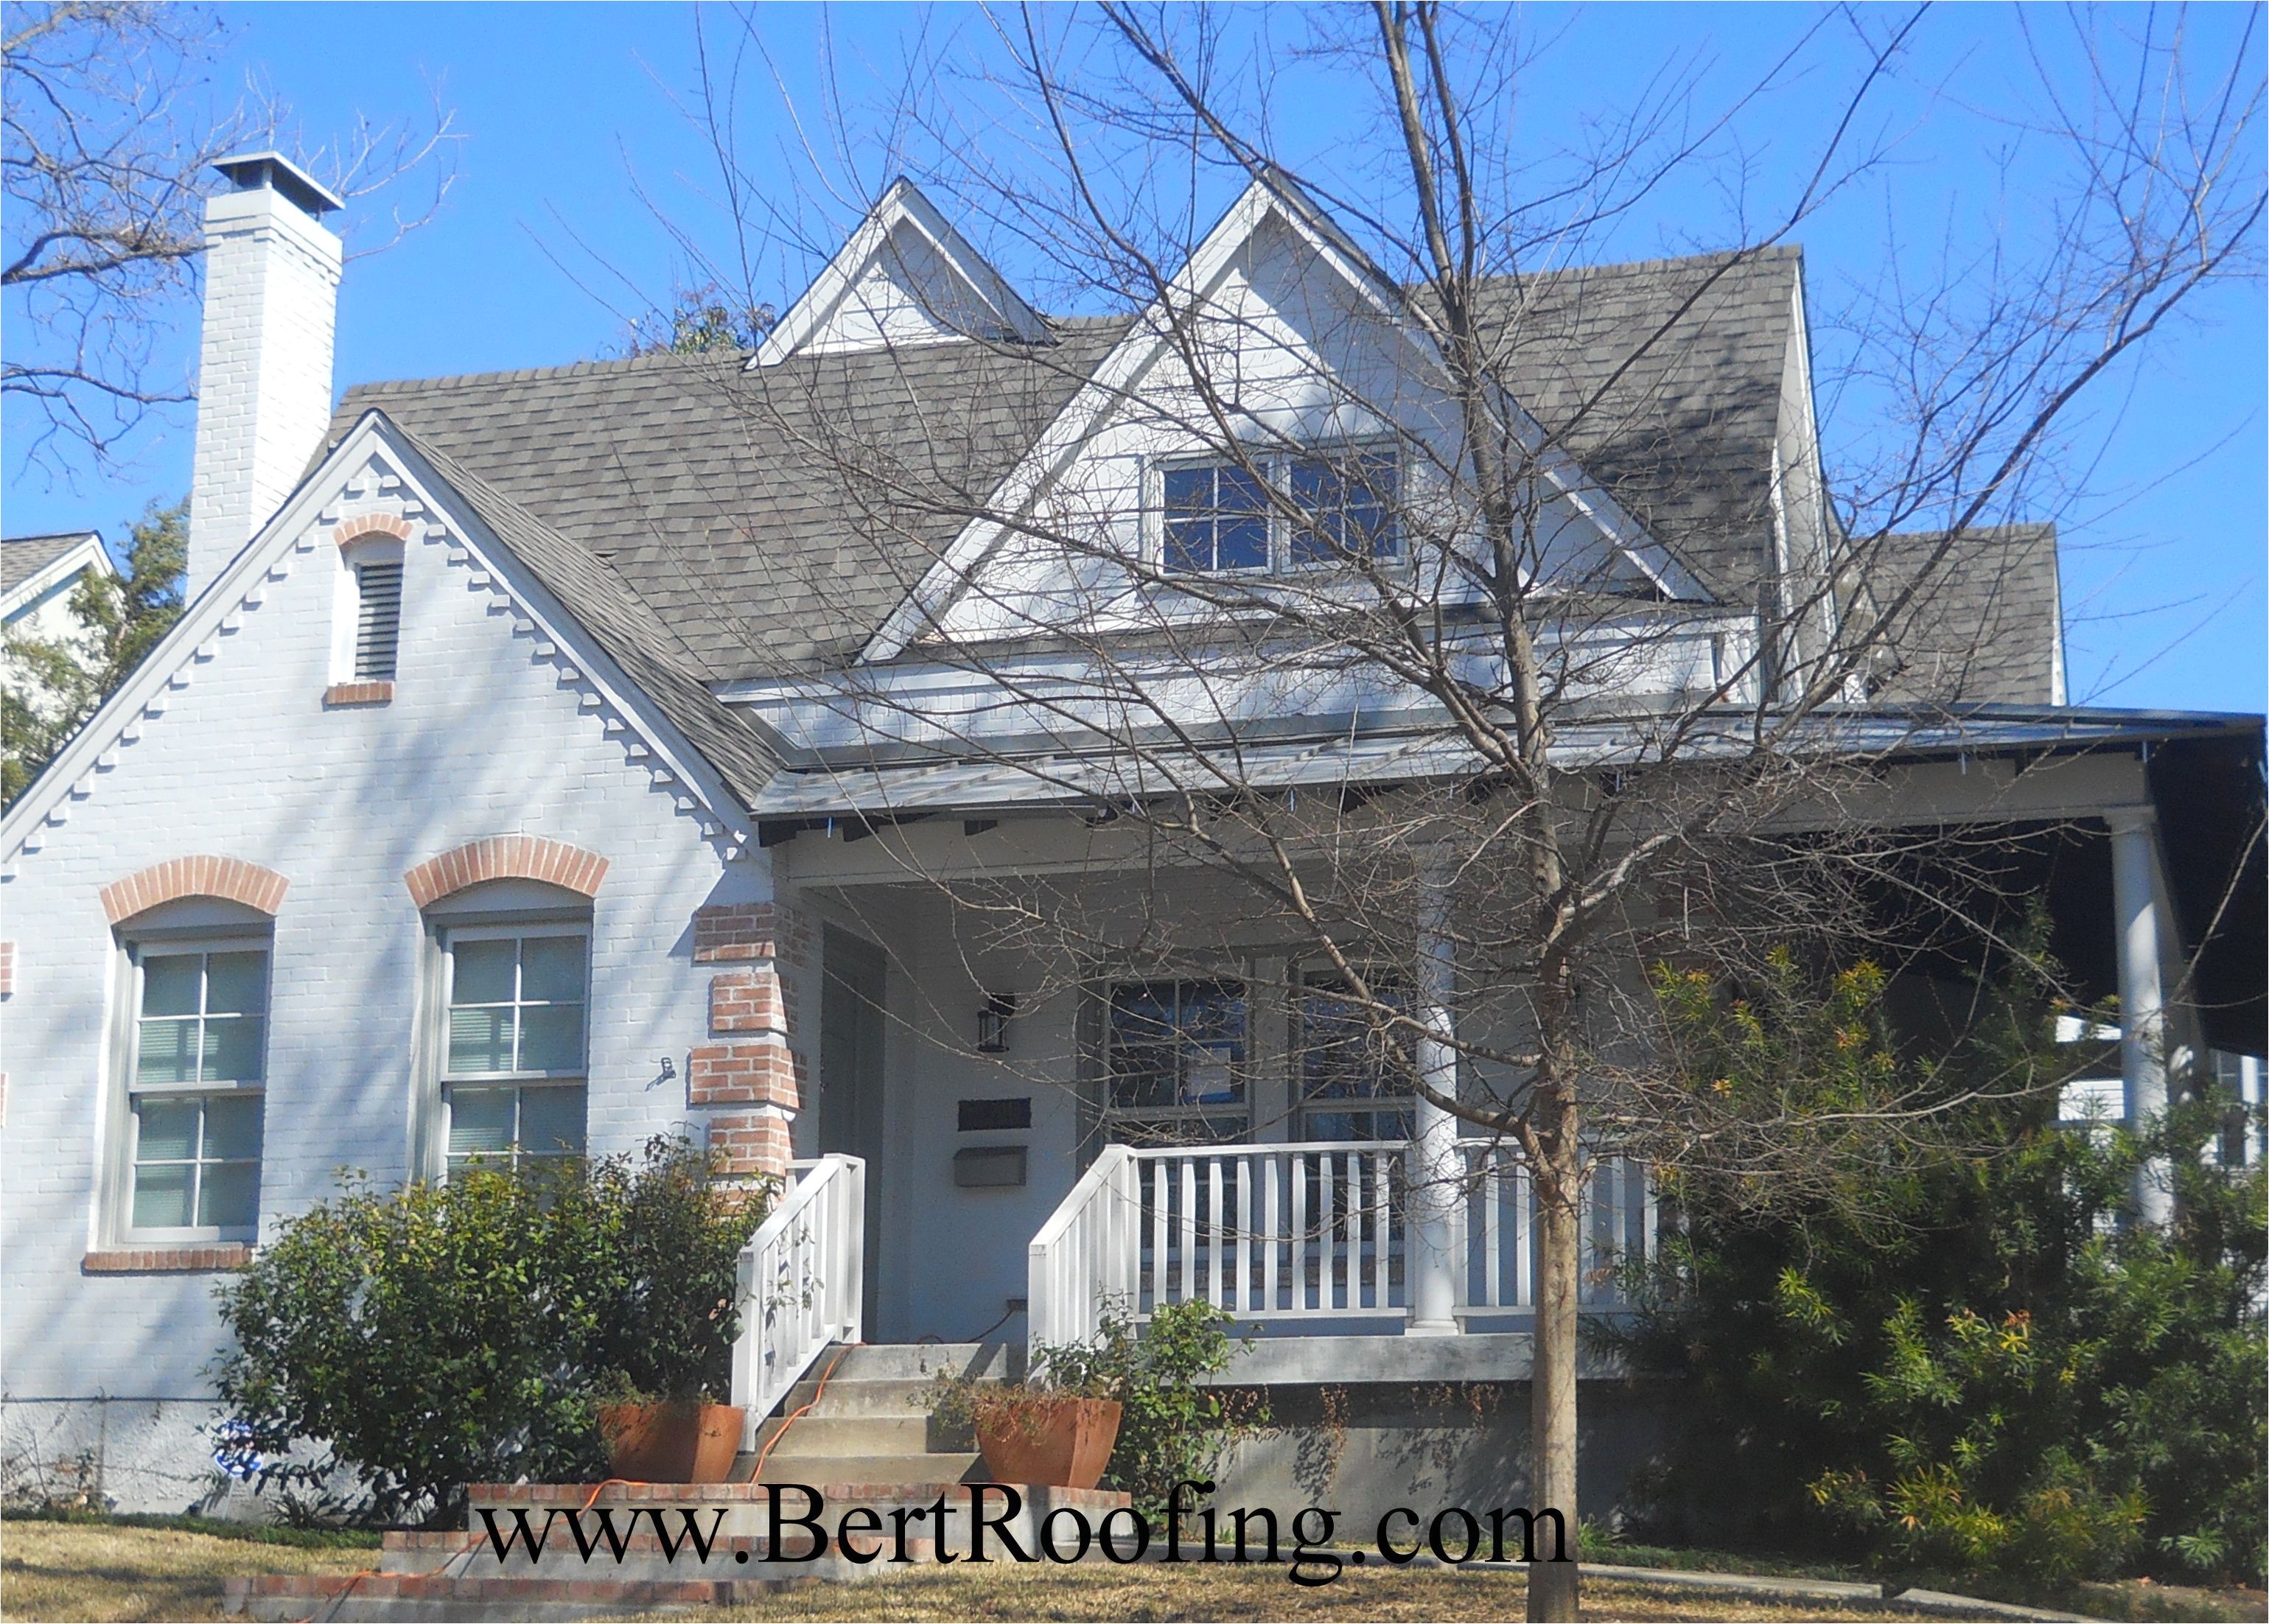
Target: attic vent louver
[(378, 621)]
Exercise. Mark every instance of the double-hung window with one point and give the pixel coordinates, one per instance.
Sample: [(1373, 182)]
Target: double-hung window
[(1174, 1062), (514, 1075), (1355, 1077), (195, 1093), (1333, 506)]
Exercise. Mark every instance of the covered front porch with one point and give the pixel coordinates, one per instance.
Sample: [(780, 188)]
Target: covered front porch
[(1000, 1149)]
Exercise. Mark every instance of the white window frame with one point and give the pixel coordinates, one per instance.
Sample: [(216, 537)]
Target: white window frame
[(450, 934), (1311, 980), (124, 1158), (1274, 468), (1237, 1115)]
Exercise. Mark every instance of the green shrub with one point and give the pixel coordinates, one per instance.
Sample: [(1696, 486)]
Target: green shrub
[(443, 1334), (1171, 1428), (1977, 1373)]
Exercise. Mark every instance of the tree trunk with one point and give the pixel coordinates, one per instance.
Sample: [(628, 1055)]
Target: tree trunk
[(1552, 1586)]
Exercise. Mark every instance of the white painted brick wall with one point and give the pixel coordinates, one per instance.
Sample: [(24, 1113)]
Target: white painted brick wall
[(265, 369), (485, 736)]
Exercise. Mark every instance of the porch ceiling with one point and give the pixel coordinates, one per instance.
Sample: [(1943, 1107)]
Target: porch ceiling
[(960, 777)]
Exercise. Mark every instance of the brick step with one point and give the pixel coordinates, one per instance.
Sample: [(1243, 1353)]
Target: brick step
[(644, 1556), (444, 1598)]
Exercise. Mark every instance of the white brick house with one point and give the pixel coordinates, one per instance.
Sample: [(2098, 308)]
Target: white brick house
[(503, 789)]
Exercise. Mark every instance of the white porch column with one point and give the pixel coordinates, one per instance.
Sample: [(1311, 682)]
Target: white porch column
[(2143, 996), (1436, 1175)]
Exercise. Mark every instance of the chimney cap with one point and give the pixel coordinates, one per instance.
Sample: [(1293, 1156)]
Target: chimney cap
[(271, 171)]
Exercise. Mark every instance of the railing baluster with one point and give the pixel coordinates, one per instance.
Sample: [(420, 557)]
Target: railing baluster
[(1271, 1193), (1244, 1235), (1160, 1284), (1298, 1174), (1215, 1225), (1188, 1183)]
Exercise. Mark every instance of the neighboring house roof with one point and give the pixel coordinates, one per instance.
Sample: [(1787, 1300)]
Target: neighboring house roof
[(1986, 630), (30, 564)]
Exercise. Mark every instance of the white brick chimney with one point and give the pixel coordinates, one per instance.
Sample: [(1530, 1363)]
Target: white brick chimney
[(265, 371)]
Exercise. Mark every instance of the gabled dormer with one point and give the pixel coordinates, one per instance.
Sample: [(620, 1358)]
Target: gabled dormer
[(905, 276)]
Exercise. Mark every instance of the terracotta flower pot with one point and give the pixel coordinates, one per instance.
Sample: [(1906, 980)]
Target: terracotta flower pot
[(680, 1443), (1047, 1439)]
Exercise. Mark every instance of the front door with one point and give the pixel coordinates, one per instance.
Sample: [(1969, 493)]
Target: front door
[(851, 1075)]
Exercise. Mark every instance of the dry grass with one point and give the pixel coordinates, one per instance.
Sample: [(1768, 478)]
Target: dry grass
[(83, 1570), (61, 1571), (1149, 1591)]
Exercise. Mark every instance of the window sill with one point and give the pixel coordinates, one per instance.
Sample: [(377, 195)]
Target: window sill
[(340, 696), (167, 1259)]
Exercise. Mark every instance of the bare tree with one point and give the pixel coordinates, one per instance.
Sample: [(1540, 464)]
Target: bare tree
[(1435, 474), (110, 138)]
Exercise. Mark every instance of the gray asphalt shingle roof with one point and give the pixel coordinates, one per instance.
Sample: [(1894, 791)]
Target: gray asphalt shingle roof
[(23, 557), (1987, 627)]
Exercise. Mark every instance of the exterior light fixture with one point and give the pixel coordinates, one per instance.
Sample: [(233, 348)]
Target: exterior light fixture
[(992, 1023)]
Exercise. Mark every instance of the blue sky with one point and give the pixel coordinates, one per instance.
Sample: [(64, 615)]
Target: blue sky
[(568, 114)]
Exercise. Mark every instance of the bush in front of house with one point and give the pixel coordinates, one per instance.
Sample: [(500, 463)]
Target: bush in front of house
[(442, 1334), (1978, 1374)]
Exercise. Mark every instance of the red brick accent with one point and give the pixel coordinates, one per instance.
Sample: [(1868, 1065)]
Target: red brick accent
[(743, 1075), (747, 1001), (733, 933), (506, 857), (370, 524), (753, 1143), (339, 694), (7, 968), (165, 1260), (229, 878)]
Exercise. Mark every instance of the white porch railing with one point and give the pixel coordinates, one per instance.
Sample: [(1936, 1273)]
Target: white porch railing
[(1307, 1232), (800, 1282)]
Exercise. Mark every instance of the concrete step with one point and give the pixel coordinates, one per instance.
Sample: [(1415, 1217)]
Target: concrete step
[(922, 1361), (907, 1433), (853, 1397), (789, 1464)]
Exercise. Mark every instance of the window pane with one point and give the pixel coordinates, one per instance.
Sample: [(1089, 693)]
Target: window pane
[(552, 970), (166, 1052), (1242, 544), (228, 1196), (232, 1127), (480, 1040), (550, 1038), (480, 1120), (165, 1130), (1189, 545), (169, 984), (552, 1121), (234, 983), (161, 1197), (484, 972), (1188, 490), (1239, 492), (232, 1049)]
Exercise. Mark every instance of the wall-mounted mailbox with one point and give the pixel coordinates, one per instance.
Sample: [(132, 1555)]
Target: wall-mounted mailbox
[(985, 1116), (990, 1167)]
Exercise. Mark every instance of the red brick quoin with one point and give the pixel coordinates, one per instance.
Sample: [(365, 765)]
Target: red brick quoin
[(506, 857), (754, 1143), (230, 878), (748, 1001), (759, 1073)]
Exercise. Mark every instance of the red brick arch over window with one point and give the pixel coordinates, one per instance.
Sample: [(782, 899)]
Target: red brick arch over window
[(353, 531), (506, 857), (230, 878)]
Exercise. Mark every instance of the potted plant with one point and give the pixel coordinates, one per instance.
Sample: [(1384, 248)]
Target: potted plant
[(668, 1312), (1030, 1433)]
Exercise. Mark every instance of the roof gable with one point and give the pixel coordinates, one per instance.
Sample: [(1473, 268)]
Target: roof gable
[(30, 564), (639, 691), (1265, 208), (904, 277)]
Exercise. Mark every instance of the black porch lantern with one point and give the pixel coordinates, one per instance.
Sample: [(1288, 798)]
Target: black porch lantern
[(992, 1023)]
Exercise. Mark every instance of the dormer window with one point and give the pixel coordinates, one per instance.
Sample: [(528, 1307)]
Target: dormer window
[(1217, 517), (378, 621)]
